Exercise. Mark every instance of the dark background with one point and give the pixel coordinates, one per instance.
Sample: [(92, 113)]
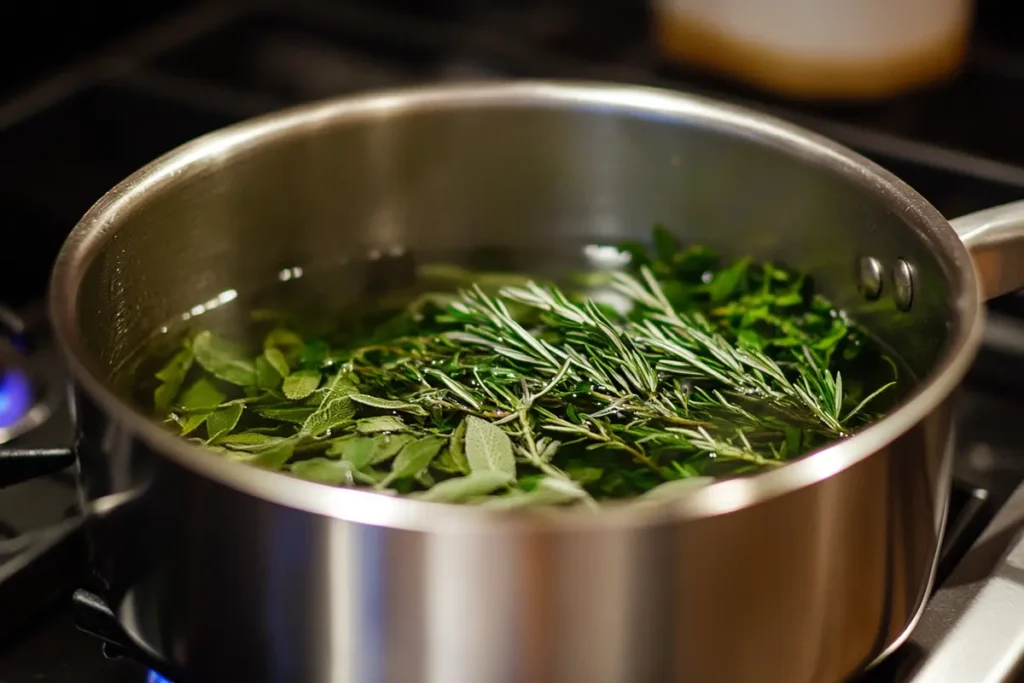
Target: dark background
[(37, 38)]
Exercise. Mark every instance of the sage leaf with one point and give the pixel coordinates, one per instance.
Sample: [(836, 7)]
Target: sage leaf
[(325, 471), (387, 446), (341, 385), (248, 441), (358, 452), (172, 376), (584, 475), (389, 404), (223, 359), (283, 340), (201, 395), (444, 463), (223, 420), (457, 448), (274, 458), (277, 361), (460, 489), (299, 385), (267, 377), (296, 414), (199, 400), (677, 488), (548, 491), (488, 448), (415, 456), (335, 407), (332, 413), (384, 423)]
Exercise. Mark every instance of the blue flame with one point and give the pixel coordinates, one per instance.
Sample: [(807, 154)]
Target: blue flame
[(154, 677), (16, 396)]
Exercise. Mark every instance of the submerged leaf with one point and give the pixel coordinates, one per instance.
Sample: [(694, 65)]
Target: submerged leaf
[(201, 395), (172, 376), (274, 458), (413, 458), (277, 361), (358, 452), (199, 400), (677, 488), (222, 421), (457, 448), (387, 446), (325, 471), (460, 489), (267, 377), (284, 341), (548, 491), (223, 359)]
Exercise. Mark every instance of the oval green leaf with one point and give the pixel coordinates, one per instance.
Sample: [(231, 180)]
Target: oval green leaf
[(460, 489), (222, 421), (488, 448), (223, 359), (299, 385), (325, 471), (677, 488), (413, 458)]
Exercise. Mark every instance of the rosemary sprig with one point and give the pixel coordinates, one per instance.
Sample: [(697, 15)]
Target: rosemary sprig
[(512, 392)]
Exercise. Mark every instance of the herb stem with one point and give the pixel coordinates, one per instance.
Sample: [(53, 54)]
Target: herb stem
[(531, 449)]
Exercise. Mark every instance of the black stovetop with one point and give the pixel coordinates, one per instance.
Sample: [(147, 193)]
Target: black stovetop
[(66, 139)]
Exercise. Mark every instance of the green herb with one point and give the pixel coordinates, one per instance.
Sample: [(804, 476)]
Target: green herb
[(461, 489), (652, 382), (488, 448), (299, 385)]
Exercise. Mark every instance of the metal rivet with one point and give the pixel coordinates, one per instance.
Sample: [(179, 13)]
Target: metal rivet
[(869, 277), (903, 285)]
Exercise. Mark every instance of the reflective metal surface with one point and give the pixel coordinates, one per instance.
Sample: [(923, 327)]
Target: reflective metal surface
[(973, 629), (803, 574), (994, 236)]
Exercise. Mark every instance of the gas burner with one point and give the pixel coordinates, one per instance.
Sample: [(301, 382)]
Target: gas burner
[(31, 380)]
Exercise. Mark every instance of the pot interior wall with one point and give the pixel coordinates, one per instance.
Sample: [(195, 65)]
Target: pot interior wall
[(533, 181)]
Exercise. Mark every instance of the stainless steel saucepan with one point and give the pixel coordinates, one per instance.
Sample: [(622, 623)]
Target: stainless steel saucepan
[(805, 574)]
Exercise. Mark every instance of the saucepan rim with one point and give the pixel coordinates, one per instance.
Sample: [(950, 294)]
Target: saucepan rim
[(97, 226)]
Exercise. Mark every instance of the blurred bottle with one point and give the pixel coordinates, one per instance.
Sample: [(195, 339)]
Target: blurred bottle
[(818, 49)]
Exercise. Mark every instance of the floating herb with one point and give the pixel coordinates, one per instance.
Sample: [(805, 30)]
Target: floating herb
[(651, 382)]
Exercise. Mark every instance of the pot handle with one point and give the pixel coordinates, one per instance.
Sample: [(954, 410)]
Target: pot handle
[(995, 237)]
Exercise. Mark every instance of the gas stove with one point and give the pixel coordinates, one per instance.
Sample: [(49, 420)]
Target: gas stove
[(66, 139)]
